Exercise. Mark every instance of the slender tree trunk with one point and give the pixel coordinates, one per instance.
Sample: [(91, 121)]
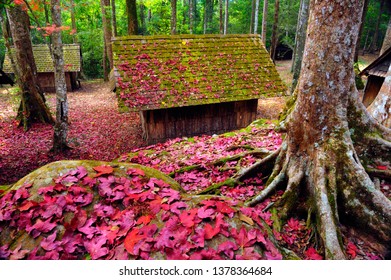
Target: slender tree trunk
[(191, 16), (73, 21), (104, 62), (114, 18), (132, 17), (173, 16), (61, 126), (301, 34), (365, 9), (142, 17), (226, 15), (264, 21), (387, 39), (221, 18), (32, 107), (252, 17), (329, 132), (274, 43), (256, 16), (374, 46), (107, 30), (208, 10)]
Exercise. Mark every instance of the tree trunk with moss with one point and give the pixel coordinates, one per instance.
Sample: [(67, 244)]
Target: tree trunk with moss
[(32, 107), (264, 21), (107, 30), (274, 42), (329, 135)]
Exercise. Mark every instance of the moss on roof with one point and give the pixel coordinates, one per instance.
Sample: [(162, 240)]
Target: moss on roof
[(44, 61), (154, 72)]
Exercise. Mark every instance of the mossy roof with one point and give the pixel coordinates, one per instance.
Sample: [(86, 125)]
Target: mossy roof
[(44, 62), (155, 72)]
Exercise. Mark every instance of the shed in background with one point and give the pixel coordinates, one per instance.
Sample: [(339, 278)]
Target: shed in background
[(45, 68), (186, 85)]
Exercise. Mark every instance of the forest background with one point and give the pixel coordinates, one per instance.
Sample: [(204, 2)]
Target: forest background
[(154, 18)]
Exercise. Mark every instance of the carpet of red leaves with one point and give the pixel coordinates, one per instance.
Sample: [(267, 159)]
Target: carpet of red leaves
[(96, 131)]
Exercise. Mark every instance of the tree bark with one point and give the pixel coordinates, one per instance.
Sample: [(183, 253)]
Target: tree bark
[(387, 39), (252, 16), (32, 108), (226, 16), (191, 16), (107, 30), (221, 19), (132, 17), (208, 12), (256, 16), (274, 42), (173, 16), (301, 34), (114, 18), (328, 132), (380, 108), (142, 17), (264, 21), (61, 126)]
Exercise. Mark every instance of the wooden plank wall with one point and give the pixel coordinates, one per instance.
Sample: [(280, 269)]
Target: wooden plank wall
[(162, 124)]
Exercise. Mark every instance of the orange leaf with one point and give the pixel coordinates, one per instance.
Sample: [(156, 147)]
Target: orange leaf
[(103, 169), (144, 220)]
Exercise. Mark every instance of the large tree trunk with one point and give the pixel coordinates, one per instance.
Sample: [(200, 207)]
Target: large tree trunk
[(132, 17), (173, 16), (264, 21), (107, 30), (61, 126), (387, 39), (328, 132), (274, 42), (32, 106), (301, 34)]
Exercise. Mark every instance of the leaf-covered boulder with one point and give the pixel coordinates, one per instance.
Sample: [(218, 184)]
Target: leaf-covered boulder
[(100, 210)]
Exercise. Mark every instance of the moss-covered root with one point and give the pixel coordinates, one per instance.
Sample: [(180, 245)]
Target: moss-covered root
[(336, 186)]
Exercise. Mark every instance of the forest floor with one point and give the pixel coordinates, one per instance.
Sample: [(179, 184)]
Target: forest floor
[(96, 129)]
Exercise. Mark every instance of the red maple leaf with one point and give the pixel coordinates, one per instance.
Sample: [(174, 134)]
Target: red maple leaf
[(228, 248), (352, 250), (144, 220), (381, 167), (210, 231), (312, 254), (103, 170), (131, 239), (187, 217)]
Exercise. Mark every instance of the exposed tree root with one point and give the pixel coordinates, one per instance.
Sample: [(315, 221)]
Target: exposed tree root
[(242, 173), (220, 161), (335, 185)]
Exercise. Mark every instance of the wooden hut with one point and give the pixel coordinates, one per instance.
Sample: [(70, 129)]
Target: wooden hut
[(186, 85), (376, 73), (45, 68)]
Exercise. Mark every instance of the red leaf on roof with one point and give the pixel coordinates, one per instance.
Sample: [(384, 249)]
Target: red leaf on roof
[(228, 248), (187, 217), (210, 231), (135, 171)]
